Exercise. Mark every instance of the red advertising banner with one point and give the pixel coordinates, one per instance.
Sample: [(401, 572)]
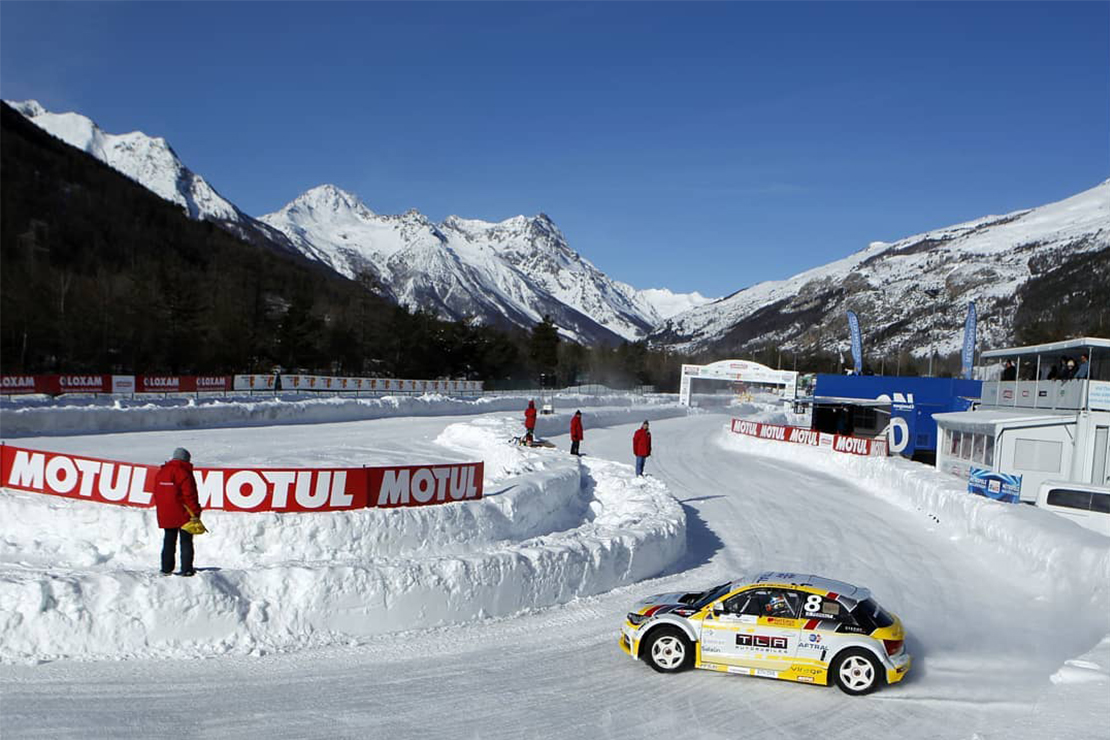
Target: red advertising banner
[(85, 383), (57, 384), (212, 382), (182, 383), (12, 384), (812, 437), (244, 489)]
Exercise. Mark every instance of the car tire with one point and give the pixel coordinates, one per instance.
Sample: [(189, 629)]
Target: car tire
[(668, 650), (856, 671)]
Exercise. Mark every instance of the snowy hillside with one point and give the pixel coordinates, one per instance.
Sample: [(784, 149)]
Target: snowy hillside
[(514, 271), (912, 293), (151, 162), (509, 273)]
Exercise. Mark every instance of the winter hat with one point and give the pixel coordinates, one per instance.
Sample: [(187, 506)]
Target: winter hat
[(182, 454)]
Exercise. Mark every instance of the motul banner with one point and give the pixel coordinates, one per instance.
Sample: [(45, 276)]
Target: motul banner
[(812, 437), (244, 489)]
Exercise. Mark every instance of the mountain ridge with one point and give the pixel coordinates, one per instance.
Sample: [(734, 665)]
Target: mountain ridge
[(443, 268), (911, 294)]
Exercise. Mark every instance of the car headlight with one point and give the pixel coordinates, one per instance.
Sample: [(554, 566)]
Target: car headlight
[(637, 619)]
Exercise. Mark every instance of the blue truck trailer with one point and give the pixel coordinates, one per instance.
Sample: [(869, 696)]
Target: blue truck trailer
[(868, 405)]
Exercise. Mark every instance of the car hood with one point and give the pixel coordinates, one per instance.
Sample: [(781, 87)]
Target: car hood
[(663, 603)]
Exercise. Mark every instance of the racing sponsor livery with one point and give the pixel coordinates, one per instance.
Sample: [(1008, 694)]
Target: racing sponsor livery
[(811, 437), (790, 626)]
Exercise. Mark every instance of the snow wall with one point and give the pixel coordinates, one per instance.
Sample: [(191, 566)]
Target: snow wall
[(1058, 551), (25, 417), (79, 580)]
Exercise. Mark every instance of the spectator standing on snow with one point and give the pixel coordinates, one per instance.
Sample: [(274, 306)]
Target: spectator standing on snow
[(175, 497), (1009, 372), (530, 420), (575, 432), (641, 447)]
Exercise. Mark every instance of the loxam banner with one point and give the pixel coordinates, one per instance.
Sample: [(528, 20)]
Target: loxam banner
[(56, 385), (811, 437), (244, 489)]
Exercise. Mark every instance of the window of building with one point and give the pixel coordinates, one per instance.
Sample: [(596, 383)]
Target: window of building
[(1038, 454), (988, 457), (965, 445), (978, 447)]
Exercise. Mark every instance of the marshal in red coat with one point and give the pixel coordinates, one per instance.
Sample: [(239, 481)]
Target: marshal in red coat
[(174, 489), (576, 428)]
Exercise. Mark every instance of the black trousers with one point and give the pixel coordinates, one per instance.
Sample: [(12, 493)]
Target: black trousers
[(574, 446), (169, 550)]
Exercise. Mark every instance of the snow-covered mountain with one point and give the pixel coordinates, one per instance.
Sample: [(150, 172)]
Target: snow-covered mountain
[(514, 271), (913, 294), (151, 162)]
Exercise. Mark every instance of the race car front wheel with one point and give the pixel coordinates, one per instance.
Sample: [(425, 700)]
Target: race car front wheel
[(668, 650), (856, 672)]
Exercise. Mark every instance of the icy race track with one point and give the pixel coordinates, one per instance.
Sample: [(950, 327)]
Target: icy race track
[(1006, 607)]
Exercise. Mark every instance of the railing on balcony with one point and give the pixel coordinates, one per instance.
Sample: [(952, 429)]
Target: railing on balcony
[(1050, 395)]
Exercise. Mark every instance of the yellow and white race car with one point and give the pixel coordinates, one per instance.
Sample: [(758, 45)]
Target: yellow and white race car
[(780, 625)]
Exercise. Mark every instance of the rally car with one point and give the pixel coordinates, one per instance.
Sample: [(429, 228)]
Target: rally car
[(779, 625)]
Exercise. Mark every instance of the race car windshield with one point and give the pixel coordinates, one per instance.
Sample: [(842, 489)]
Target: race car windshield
[(707, 596)]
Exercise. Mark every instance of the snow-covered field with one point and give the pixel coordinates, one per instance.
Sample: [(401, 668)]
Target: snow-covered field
[(499, 618)]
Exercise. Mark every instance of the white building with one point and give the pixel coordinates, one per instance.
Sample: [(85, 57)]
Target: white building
[(1032, 424)]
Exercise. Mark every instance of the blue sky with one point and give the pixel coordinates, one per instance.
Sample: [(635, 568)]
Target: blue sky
[(697, 146)]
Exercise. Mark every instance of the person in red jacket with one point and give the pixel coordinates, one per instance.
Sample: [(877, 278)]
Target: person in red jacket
[(641, 447), (530, 421), (575, 432), (175, 498)]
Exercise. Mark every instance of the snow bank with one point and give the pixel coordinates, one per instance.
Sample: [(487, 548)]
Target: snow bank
[(1069, 561), (79, 580), (1063, 562), (102, 414)]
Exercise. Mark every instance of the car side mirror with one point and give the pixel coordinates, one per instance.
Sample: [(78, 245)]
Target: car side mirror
[(719, 608)]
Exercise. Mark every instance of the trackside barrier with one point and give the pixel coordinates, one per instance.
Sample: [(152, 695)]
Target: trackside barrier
[(244, 489), (328, 383), (56, 385), (797, 435)]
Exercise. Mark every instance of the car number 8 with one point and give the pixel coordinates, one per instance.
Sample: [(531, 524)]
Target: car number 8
[(813, 603)]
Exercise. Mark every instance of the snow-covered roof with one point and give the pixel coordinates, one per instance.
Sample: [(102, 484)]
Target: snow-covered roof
[(1033, 349), (990, 420), (850, 401)]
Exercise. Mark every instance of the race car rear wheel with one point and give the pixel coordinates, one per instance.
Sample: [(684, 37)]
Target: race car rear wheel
[(856, 672), (668, 650)]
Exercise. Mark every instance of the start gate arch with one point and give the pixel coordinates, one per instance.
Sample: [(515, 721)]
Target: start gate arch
[(733, 371)]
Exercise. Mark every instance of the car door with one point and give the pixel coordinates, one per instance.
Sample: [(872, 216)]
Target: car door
[(821, 620), (757, 628)]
